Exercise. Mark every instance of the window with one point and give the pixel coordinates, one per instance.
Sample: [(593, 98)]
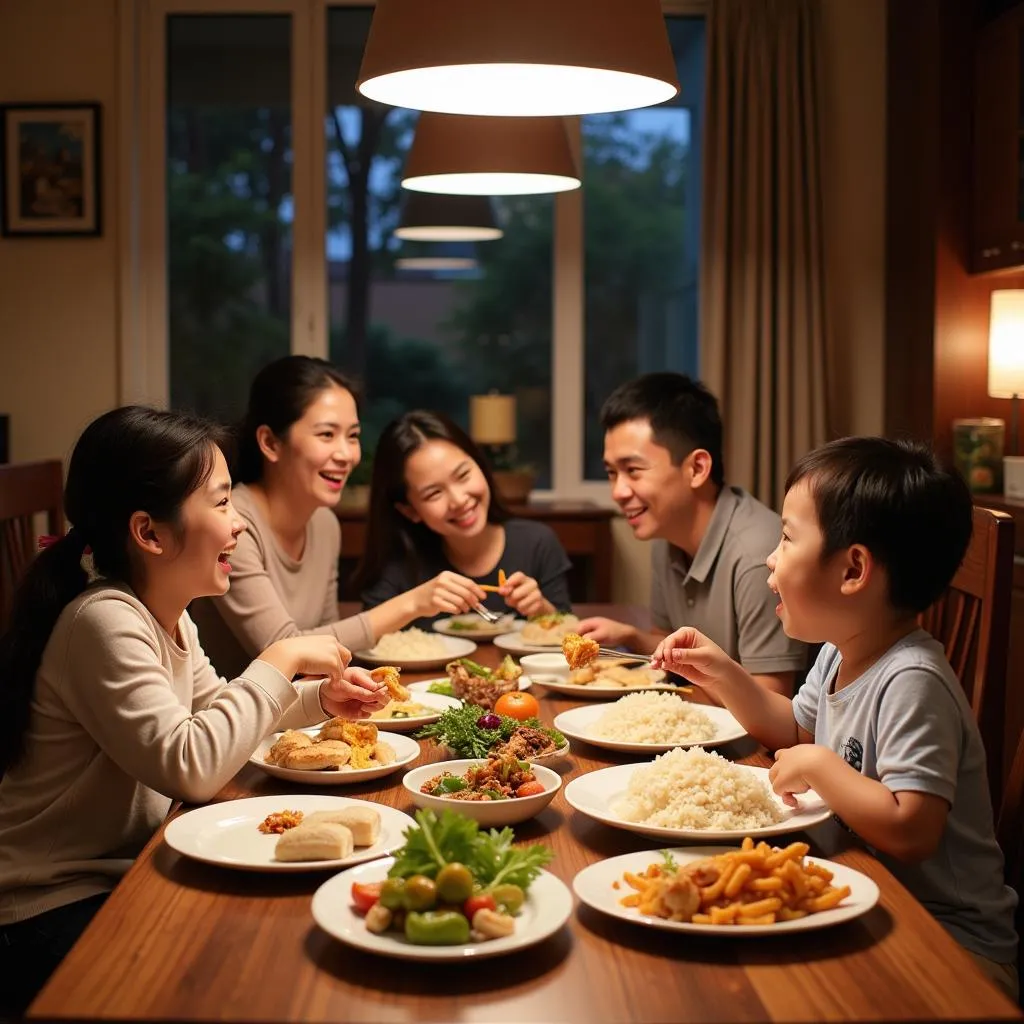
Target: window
[(229, 205), (641, 237), (276, 228)]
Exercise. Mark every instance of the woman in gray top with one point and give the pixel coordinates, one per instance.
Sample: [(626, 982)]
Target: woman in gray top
[(435, 513)]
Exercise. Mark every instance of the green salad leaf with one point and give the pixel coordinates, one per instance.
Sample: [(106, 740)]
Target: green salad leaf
[(443, 687), (457, 729), (448, 838)]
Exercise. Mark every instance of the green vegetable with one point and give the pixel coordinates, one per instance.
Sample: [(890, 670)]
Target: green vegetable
[(454, 883), (450, 784), (508, 669), (392, 894), (420, 893), (439, 840), (443, 687), (437, 928), (668, 861), (458, 624), (509, 898), (475, 669), (400, 714), (457, 729)]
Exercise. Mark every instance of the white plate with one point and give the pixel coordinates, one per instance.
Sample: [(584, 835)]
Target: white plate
[(604, 692), (525, 682), (437, 701), (577, 723), (406, 751), (593, 885), (455, 648), (514, 644), (547, 907), (594, 793), (227, 834), (480, 629)]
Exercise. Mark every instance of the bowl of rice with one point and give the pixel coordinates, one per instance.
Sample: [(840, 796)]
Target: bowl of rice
[(691, 794), (416, 649), (650, 721)]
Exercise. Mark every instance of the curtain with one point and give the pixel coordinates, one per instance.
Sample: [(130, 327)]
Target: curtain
[(763, 331)]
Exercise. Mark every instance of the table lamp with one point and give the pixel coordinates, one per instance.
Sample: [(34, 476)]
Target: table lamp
[(1006, 375), (492, 424)]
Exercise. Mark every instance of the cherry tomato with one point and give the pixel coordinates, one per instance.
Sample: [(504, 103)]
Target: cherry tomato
[(518, 704), (475, 903), (364, 895), (530, 788)]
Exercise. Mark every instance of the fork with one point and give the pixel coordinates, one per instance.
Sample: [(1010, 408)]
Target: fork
[(608, 652)]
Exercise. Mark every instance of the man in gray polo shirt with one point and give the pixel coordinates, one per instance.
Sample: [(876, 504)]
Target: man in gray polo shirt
[(663, 455)]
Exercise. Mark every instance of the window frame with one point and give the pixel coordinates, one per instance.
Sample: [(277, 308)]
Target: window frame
[(143, 354)]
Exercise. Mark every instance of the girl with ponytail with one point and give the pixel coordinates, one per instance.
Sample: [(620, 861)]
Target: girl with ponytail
[(109, 709)]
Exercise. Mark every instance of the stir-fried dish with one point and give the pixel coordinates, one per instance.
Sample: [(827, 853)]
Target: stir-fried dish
[(481, 686), (504, 777)]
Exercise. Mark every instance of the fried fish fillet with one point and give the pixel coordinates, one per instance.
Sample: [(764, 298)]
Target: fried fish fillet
[(391, 678), (288, 741), (579, 651)]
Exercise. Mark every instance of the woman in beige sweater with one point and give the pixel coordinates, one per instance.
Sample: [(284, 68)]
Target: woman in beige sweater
[(109, 709), (297, 447)]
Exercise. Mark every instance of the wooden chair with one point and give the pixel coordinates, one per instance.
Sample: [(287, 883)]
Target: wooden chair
[(26, 489), (972, 620)]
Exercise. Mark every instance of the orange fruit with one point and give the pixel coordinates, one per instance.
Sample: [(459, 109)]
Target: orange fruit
[(518, 704)]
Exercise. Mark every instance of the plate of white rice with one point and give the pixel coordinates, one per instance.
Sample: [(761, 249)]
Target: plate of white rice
[(416, 649), (649, 722), (692, 794)]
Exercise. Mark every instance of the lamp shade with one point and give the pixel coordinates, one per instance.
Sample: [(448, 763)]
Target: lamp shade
[(518, 58), (427, 217), (1006, 344), (436, 263), (492, 418), (490, 156)]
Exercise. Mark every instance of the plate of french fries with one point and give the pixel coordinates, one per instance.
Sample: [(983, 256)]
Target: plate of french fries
[(756, 889)]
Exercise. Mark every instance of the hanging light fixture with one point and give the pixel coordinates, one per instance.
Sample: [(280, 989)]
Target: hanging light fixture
[(490, 156), (518, 58), (428, 217)]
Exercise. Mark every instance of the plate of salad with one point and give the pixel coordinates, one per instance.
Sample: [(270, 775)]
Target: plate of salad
[(453, 892), (469, 732)]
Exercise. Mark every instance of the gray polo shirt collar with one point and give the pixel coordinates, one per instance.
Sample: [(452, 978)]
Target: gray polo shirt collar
[(711, 543)]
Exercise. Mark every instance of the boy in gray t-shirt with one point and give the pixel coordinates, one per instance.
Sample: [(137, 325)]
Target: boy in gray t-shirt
[(873, 532)]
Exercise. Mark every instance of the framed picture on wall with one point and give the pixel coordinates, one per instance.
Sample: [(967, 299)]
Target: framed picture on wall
[(50, 169)]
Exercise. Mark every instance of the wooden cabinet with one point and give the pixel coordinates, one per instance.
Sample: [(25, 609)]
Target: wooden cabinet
[(998, 186)]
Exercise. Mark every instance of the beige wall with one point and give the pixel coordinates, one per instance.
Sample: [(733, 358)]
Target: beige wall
[(58, 296)]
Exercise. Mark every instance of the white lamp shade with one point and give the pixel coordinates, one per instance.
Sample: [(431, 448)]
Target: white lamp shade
[(1006, 344), (492, 419), (518, 58), (428, 217), (490, 156)]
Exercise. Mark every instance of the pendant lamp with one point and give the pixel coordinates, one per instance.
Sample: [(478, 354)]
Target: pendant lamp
[(427, 217), (518, 58), (490, 156)]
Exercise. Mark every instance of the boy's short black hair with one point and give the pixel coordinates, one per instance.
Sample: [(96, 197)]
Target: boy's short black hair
[(894, 497), (682, 412)]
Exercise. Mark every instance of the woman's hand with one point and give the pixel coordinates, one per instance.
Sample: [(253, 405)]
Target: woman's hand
[(607, 632), (692, 655), (522, 593), (308, 656), (447, 592), (355, 695)]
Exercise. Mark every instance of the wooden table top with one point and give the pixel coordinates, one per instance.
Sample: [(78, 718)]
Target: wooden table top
[(183, 940)]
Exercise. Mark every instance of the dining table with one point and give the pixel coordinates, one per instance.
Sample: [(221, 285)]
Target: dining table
[(183, 940)]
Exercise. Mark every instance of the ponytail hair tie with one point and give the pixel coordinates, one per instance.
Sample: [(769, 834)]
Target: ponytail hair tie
[(47, 540)]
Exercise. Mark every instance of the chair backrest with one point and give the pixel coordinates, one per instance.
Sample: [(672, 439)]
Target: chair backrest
[(26, 489), (972, 620)]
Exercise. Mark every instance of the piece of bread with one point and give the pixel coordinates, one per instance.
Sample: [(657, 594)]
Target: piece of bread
[(318, 756), (579, 651), (286, 743), (362, 822), (325, 840), (391, 678), (356, 733), (384, 753)]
